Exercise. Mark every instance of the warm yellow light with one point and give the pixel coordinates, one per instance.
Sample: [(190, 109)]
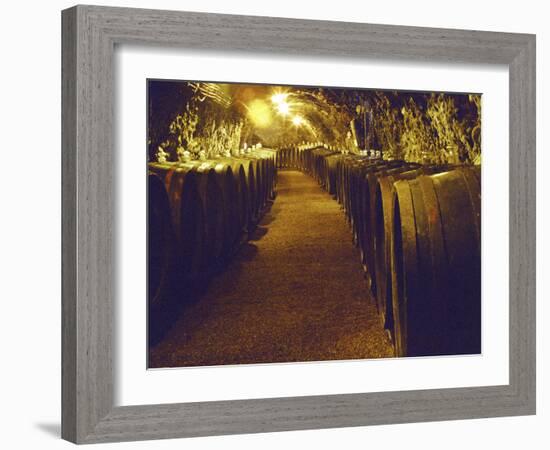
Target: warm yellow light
[(283, 108), (297, 120), (259, 113), (279, 98)]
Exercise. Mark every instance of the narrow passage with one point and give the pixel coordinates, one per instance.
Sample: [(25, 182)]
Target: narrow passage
[(295, 292)]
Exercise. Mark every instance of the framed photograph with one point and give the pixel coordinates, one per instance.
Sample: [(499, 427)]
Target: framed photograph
[(279, 224)]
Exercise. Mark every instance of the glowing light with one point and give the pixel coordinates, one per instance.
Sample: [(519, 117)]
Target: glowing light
[(279, 98), (297, 120), (283, 108), (259, 113)]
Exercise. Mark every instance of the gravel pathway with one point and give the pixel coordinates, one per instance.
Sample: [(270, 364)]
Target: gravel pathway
[(295, 292)]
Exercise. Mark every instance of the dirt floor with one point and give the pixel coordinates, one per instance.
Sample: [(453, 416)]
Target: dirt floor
[(295, 292)]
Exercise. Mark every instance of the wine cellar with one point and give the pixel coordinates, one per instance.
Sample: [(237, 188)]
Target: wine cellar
[(267, 247)]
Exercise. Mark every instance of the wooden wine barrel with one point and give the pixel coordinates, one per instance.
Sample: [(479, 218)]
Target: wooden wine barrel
[(307, 160), (283, 158), (254, 185), (160, 243), (353, 173), (364, 221), (262, 182), (263, 175), (317, 164), (300, 159), (339, 176), (187, 211), (270, 173), (286, 158), (341, 187), (212, 197), (383, 214), (291, 157), (242, 203), (436, 264), (251, 190), (355, 185), (331, 180), (230, 206), (273, 175)]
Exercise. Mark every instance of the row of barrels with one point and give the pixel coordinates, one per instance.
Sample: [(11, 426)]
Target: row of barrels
[(290, 158), (297, 157), (199, 213), (317, 161), (418, 229)]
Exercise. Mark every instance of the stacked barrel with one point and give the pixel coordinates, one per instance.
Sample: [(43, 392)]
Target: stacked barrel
[(199, 213), (292, 157), (418, 229), (436, 264)]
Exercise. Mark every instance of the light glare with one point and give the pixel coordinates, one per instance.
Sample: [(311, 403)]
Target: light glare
[(297, 120), (279, 98), (283, 108)]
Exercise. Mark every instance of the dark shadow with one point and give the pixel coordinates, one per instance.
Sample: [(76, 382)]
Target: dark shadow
[(267, 220), (258, 233), (275, 209), (185, 293), (190, 293), (269, 214), (53, 429), (247, 252)]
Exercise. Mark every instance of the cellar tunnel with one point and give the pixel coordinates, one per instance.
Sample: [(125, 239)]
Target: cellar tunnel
[(293, 224)]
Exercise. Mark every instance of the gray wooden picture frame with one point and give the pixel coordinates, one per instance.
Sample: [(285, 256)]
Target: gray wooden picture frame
[(88, 155)]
